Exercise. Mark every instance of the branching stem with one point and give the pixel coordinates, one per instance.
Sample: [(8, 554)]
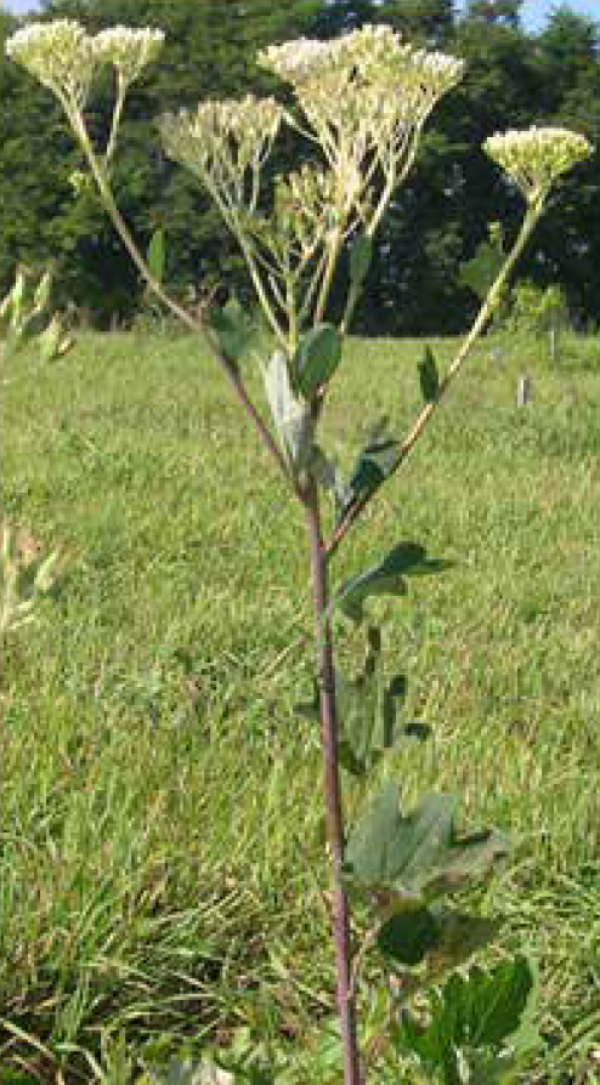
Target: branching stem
[(484, 315), (230, 372)]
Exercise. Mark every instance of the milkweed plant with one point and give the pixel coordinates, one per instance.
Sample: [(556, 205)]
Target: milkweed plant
[(361, 102)]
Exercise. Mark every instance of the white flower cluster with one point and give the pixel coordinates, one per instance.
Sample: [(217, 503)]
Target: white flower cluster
[(535, 157), (364, 93), (434, 74), (60, 54), (296, 61), (64, 57), (221, 141), (129, 50)]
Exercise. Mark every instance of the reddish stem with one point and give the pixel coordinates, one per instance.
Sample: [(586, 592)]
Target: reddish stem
[(331, 787)]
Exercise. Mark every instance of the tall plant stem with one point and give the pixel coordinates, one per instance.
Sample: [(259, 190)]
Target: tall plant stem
[(331, 787)]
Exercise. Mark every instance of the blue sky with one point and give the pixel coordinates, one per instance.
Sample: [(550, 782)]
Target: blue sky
[(534, 12)]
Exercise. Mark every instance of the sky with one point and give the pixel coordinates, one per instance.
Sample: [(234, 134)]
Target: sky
[(534, 12)]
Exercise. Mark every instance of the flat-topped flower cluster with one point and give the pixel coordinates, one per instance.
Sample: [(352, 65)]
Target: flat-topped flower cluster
[(363, 99), (220, 142), (536, 157), (361, 56), (365, 93), (365, 96), (64, 57)]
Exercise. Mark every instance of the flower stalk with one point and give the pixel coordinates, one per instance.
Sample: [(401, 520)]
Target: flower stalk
[(426, 413), (334, 819)]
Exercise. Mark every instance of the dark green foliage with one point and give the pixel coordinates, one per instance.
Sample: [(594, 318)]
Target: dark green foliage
[(446, 937), (386, 578), (479, 1011), (318, 355), (425, 20), (495, 12), (409, 936)]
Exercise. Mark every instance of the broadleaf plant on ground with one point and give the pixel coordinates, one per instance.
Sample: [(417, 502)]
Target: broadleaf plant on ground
[(363, 100), (477, 1027)]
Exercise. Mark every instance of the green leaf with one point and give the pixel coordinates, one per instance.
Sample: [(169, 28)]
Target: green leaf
[(385, 578), (491, 1003), (233, 329), (480, 273), (292, 417), (429, 377), (375, 463), (481, 1010), (374, 849), (361, 255), (415, 858), (442, 936), (366, 709), (409, 936), (156, 255), (318, 355)]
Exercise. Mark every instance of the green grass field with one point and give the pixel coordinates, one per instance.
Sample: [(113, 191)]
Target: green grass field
[(161, 871)]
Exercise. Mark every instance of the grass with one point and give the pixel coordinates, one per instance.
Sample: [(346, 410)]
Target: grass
[(161, 871)]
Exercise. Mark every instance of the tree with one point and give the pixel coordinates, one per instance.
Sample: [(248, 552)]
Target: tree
[(569, 46), (422, 20), (496, 12)]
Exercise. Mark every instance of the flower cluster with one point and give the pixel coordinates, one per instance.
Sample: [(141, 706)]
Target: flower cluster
[(225, 145), (300, 60), (64, 57), (130, 51), (365, 94), (60, 54), (536, 157), (305, 209)]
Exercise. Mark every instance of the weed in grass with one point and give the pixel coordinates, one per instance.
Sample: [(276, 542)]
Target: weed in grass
[(210, 922), (397, 865)]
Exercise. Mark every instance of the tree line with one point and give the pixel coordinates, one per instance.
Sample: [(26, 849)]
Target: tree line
[(436, 222)]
